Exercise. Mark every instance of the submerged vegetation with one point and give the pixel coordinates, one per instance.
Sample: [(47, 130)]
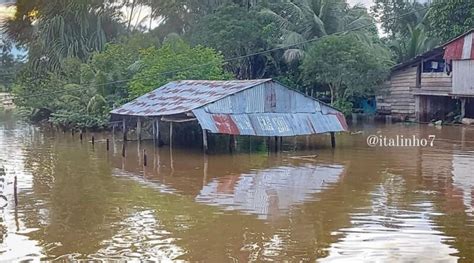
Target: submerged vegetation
[(83, 58)]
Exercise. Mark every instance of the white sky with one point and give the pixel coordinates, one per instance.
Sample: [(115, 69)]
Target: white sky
[(367, 3)]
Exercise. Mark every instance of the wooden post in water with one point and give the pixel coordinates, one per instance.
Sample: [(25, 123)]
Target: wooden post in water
[(108, 144), (123, 149), (81, 136), (276, 143), (93, 140), (124, 129), (139, 129), (204, 141), (15, 191), (463, 107), (231, 143), (171, 134), (333, 140), (144, 158), (157, 134)]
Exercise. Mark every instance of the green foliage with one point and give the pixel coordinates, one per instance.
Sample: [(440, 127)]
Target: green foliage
[(416, 42), (304, 20), (236, 31), (54, 30), (9, 65), (176, 60), (344, 105), (346, 65), (450, 18), (395, 16)]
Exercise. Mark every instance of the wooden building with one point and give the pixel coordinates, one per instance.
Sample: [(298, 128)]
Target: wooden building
[(431, 85)]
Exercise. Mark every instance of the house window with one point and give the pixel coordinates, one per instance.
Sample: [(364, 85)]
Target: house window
[(435, 65)]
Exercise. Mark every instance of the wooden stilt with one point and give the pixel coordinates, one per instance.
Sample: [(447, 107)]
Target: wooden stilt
[(139, 129), (463, 107), (276, 144), (231, 143), (15, 191), (204, 141), (124, 129), (171, 134), (333, 140), (157, 129), (144, 158), (108, 144)]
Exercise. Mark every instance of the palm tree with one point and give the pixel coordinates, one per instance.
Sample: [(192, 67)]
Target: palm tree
[(303, 20), (56, 29)]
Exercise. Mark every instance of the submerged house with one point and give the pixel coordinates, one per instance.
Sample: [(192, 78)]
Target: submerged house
[(259, 107), (433, 84)]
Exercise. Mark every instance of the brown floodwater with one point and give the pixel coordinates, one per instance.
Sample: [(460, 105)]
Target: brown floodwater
[(351, 204)]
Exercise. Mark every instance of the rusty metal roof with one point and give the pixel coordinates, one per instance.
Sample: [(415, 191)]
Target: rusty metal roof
[(271, 124), (240, 107), (183, 96)]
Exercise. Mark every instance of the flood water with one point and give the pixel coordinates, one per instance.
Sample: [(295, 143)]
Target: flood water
[(351, 204)]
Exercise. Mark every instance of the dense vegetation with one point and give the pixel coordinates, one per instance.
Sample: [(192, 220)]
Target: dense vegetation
[(85, 57)]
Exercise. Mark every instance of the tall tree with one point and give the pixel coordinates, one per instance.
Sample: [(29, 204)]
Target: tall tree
[(236, 31), (57, 29), (450, 18), (346, 66), (302, 20), (395, 16)]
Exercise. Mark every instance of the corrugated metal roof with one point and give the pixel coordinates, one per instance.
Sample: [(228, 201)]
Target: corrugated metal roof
[(271, 124), (249, 107), (183, 96), (461, 48)]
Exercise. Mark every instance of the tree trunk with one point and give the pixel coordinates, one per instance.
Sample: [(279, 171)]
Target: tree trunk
[(331, 88)]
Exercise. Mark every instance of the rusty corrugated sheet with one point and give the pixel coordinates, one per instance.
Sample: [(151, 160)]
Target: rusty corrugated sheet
[(182, 96), (460, 48), (271, 124)]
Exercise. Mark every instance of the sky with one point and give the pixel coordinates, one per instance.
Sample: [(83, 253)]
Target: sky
[(366, 3)]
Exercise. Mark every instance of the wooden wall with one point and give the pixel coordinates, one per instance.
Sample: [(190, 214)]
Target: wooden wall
[(436, 83), (396, 97), (463, 77)]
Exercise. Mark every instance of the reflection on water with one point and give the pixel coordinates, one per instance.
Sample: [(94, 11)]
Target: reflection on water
[(78, 201), (268, 192), (384, 232)]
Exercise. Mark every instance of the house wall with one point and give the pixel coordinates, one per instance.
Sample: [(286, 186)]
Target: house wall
[(463, 77), (396, 97), (269, 97), (439, 83)]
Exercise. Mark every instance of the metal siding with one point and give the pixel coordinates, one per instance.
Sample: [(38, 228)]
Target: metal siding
[(244, 124), (325, 109), (224, 105), (269, 124), (463, 77), (239, 103), (283, 99), (205, 120), (255, 99), (302, 124), (270, 98)]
